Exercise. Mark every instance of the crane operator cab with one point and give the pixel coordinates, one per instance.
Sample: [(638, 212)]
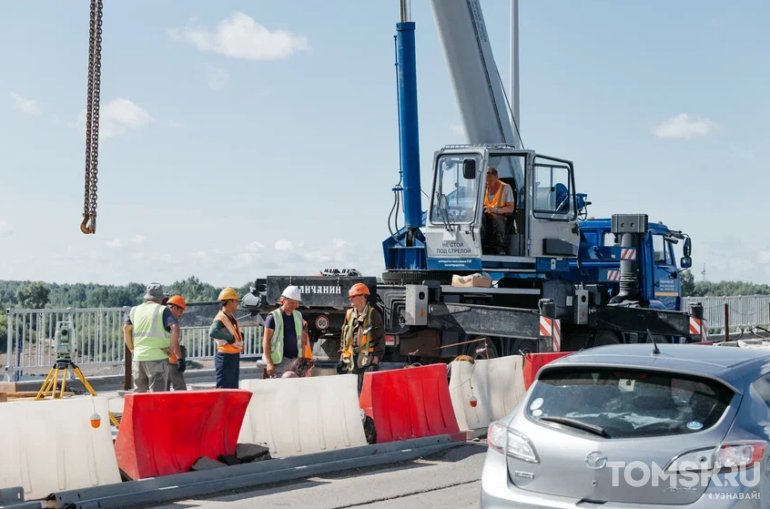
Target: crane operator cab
[(495, 206)]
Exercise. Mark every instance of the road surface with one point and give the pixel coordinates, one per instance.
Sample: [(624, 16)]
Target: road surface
[(449, 479)]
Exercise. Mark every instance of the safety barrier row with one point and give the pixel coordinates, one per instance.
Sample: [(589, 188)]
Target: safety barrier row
[(54, 447), (98, 338)]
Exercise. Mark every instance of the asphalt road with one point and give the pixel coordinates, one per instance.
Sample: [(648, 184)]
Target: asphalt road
[(449, 479)]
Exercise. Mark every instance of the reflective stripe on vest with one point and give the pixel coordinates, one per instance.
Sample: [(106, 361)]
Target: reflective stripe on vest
[(349, 331), (235, 330), (276, 342), (148, 334)]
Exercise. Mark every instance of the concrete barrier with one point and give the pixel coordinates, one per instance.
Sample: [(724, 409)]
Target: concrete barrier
[(486, 390), (295, 416), (49, 446)]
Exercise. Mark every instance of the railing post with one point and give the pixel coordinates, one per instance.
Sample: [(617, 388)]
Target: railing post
[(8, 348), (727, 321)]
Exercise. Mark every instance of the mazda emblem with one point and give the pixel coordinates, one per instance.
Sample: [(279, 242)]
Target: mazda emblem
[(596, 460)]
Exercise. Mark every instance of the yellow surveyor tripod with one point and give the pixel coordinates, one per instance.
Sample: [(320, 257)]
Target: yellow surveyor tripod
[(52, 381)]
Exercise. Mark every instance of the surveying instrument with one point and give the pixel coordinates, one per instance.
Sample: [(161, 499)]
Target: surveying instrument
[(63, 345)]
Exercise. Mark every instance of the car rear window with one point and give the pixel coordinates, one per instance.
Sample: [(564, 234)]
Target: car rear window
[(629, 403)]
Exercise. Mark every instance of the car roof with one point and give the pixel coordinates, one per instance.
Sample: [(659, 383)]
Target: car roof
[(727, 364)]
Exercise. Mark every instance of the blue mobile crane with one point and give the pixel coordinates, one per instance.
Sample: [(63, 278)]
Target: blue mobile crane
[(564, 282)]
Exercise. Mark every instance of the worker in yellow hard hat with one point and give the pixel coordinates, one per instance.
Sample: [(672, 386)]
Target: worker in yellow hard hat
[(176, 365), (363, 336), (227, 334)]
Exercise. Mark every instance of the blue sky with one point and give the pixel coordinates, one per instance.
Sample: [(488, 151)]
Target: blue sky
[(231, 161)]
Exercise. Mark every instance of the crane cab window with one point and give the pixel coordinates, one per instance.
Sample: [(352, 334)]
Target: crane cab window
[(454, 196), (553, 193), (662, 250)]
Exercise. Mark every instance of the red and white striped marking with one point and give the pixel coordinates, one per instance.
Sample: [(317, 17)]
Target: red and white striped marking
[(551, 328), (613, 275), (628, 253), (696, 327)]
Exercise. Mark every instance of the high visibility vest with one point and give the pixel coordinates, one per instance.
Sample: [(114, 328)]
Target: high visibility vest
[(357, 338), (276, 342), (148, 334), (499, 199), (234, 329)]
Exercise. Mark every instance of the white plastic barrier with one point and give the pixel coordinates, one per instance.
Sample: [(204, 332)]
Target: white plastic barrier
[(294, 416), (496, 384), (49, 446)]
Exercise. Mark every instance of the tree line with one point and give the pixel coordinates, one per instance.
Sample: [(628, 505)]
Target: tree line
[(39, 295)]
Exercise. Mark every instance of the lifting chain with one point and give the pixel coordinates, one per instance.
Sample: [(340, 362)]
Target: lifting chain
[(88, 226)]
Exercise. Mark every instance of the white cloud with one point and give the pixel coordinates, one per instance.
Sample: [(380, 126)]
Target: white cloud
[(241, 37), (114, 243), (26, 106), (5, 228), (457, 129), (138, 240), (256, 246), (118, 116), (216, 77), (683, 126), (173, 124), (283, 245)]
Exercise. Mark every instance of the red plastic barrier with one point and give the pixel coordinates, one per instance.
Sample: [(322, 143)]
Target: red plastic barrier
[(165, 433), (534, 361), (409, 403)]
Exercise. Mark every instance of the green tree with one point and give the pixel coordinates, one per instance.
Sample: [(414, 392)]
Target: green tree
[(3, 331), (34, 295), (688, 284)]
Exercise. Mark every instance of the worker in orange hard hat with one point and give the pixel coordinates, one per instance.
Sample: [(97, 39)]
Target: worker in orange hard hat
[(363, 336), (177, 365), (227, 334)]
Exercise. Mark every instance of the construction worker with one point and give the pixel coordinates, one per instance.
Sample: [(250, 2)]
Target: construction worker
[(226, 332), (285, 336), (363, 336), (177, 365), (151, 333), (498, 200)]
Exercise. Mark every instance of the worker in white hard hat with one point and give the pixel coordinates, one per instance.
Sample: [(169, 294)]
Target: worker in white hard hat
[(285, 336)]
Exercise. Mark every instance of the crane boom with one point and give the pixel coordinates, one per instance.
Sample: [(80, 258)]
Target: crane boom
[(473, 72)]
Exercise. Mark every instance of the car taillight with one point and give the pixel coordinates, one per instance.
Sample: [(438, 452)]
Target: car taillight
[(728, 457), (511, 443), (740, 455)]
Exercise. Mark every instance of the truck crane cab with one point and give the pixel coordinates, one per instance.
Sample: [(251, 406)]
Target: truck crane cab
[(541, 232)]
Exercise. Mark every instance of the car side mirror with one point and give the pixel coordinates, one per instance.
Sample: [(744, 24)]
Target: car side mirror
[(685, 262), (469, 169)]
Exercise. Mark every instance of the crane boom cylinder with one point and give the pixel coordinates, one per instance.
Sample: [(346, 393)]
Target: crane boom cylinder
[(408, 128)]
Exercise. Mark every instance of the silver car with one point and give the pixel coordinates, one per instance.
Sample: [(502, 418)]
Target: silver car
[(637, 426)]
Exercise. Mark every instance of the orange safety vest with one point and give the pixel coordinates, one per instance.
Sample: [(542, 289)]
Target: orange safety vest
[(233, 328), (357, 339), (498, 201)]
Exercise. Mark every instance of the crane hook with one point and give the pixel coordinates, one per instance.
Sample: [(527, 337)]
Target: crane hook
[(84, 225)]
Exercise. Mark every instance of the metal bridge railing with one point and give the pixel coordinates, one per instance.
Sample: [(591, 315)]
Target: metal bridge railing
[(98, 338), (739, 311)]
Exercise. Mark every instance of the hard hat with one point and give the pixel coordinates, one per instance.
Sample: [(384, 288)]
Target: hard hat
[(293, 293), (358, 289), (178, 300), (228, 294)]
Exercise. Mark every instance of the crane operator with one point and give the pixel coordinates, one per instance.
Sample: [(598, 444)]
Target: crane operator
[(497, 201)]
